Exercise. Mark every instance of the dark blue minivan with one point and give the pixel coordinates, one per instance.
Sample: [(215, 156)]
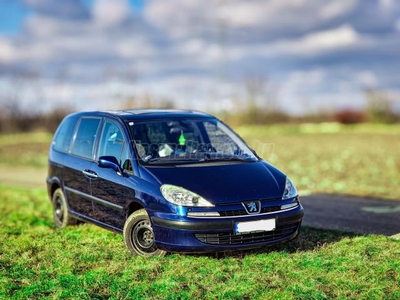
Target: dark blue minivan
[(168, 180)]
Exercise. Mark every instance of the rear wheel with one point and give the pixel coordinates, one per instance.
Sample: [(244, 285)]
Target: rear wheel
[(138, 235), (62, 218)]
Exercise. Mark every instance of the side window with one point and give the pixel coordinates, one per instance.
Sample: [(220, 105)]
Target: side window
[(113, 143), (63, 137), (126, 159), (85, 137)]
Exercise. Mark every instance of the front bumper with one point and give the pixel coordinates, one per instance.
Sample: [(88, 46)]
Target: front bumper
[(217, 234)]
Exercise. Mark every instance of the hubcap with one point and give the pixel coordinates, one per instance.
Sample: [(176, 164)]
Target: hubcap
[(142, 237), (59, 209)]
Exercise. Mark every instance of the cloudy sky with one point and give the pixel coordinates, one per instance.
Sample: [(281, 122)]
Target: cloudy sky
[(300, 55)]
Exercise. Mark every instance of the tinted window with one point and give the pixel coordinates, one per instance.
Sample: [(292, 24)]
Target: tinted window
[(126, 159), (64, 134), (85, 137), (114, 144)]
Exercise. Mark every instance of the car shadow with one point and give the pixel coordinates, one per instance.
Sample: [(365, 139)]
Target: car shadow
[(309, 239)]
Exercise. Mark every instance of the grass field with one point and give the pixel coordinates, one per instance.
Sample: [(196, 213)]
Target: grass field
[(85, 262), (25, 149)]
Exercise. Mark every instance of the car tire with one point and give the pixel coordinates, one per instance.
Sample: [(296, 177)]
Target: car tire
[(139, 237), (61, 216)]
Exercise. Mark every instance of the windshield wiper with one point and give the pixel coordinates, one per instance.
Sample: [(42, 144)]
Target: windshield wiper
[(208, 157), (172, 161)]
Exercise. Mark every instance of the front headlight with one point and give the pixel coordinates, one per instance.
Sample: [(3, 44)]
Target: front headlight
[(290, 190), (180, 196)]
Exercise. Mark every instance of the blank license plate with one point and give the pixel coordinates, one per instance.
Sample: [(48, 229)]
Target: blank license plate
[(261, 225)]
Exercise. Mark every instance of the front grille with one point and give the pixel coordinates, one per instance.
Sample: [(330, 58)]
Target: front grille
[(242, 212), (227, 238)]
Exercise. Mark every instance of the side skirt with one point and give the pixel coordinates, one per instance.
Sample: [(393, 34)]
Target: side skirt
[(95, 222)]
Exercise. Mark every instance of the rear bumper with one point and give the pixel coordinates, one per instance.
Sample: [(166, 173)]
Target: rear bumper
[(210, 235)]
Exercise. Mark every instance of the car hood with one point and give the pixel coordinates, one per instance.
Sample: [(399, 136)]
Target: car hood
[(224, 183)]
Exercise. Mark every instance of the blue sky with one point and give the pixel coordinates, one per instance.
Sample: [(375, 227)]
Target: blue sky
[(296, 55), (13, 13), (12, 16)]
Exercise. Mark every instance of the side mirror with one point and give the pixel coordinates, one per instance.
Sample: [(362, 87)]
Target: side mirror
[(110, 162)]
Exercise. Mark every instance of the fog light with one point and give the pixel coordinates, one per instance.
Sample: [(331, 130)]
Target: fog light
[(203, 214), (287, 206)]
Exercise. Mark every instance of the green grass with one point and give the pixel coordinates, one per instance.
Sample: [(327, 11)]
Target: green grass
[(25, 149), (86, 262), (361, 160)]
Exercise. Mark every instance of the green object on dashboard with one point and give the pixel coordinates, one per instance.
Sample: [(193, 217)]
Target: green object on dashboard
[(182, 139)]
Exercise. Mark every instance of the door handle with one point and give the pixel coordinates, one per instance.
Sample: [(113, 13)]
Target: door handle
[(89, 173)]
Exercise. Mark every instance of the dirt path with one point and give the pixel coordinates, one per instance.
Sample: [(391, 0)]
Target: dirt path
[(346, 213)]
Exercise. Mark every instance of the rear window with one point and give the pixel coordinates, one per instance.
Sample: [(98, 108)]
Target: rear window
[(62, 140), (85, 137)]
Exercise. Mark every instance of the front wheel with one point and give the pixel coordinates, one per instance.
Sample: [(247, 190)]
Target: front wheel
[(138, 235)]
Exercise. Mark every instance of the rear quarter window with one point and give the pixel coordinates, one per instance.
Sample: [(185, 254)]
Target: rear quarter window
[(63, 136), (85, 137)]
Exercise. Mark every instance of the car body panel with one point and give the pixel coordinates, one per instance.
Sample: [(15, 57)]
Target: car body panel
[(110, 195), (169, 234), (77, 186), (227, 182)]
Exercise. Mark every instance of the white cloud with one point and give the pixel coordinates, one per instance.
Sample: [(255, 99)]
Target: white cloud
[(7, 51), (306, 79), (315, 43), (17, 52), (180, 19), (316, 89), (176, 17), (298, 89), (367, 79), (387, 4), (340, 37), (282, 14), (42, 26), (111, 12), (134, 47), (179, 48), (47, 39), (337, 8)]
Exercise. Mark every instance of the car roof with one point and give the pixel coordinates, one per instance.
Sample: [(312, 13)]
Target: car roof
[(147, 114)]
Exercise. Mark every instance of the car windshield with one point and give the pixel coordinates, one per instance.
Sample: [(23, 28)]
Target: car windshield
[(178, 141)]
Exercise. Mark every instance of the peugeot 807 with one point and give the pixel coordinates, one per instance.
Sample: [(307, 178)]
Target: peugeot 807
[(168, 181)]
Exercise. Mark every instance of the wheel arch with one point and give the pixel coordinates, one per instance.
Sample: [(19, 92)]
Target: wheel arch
[(53, 184), (54, 187), (133, 206)]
